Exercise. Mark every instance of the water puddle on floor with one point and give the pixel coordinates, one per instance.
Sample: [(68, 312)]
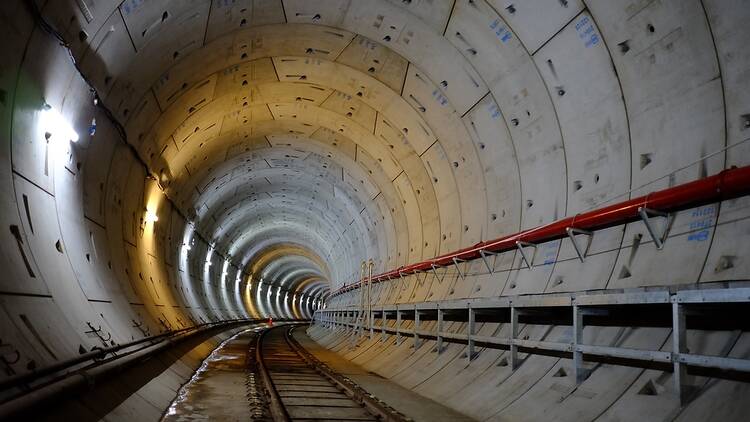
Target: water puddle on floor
[(225, 387)]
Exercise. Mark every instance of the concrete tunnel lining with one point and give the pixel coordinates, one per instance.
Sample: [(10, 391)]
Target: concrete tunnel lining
[(285, 142)]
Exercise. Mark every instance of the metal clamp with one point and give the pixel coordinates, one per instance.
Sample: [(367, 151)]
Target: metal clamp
[(484, 254), (420, 280), (146, 331), (458, 269), (98, 333), (434, 271), (165, 323), (521, 245), (572, 232), (7, 350), (646, 214), (402, 279)]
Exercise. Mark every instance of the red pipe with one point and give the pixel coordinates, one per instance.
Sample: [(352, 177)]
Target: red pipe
[(728, 184)]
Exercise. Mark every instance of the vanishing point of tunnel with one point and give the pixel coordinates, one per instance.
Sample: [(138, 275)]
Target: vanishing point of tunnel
[(392, 210)]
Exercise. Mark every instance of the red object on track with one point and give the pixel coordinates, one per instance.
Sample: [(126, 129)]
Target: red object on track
[(270, 322)]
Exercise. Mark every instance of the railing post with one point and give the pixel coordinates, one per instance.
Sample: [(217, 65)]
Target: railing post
[(439, 343), (398, 325), (372, 324), (513, 334), (383, 323), (470, 333), (416, 328), (679, 345), (577, 339), (371, 318)]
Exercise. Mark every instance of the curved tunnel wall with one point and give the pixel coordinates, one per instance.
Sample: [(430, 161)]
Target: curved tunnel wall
[(244, 157)]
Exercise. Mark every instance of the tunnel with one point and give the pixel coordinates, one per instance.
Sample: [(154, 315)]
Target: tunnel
[(505, 210)]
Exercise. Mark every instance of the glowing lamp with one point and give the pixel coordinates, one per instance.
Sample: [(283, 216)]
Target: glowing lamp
[(56, 127), (151, 216)]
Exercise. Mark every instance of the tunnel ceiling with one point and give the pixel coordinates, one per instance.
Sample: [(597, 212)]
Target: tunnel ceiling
[(297, 139), (321, 128)]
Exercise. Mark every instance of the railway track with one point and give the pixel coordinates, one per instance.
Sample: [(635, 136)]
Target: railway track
[(301, 388)]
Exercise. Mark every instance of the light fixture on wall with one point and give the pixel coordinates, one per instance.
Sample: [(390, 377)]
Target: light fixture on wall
[(151, 216), (55, 127)]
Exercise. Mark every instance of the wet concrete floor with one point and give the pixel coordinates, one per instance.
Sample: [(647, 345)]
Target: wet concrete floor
[(225, 387)]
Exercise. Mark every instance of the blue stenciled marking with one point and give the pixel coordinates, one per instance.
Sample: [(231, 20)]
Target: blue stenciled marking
[(225, 3), (550, 253), (698, 236), (704, 211), (439, 97), (701, 224), (703, 221), (501, 32), (584, 21), (494, 111), (586, 32), (130, 6)]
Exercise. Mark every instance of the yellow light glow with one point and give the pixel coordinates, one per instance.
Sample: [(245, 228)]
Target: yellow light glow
[(151, 216)]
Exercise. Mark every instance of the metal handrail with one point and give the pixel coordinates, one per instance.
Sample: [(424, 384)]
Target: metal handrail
[(728, 184)]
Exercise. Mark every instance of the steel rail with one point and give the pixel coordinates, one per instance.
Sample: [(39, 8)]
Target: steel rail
[(728, 184), (351, 389), (278, 412), (377, 408)]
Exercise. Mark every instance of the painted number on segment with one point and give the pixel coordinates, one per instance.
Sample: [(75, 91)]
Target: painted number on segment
[(703, 220), (586, 32), (501, 32)]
